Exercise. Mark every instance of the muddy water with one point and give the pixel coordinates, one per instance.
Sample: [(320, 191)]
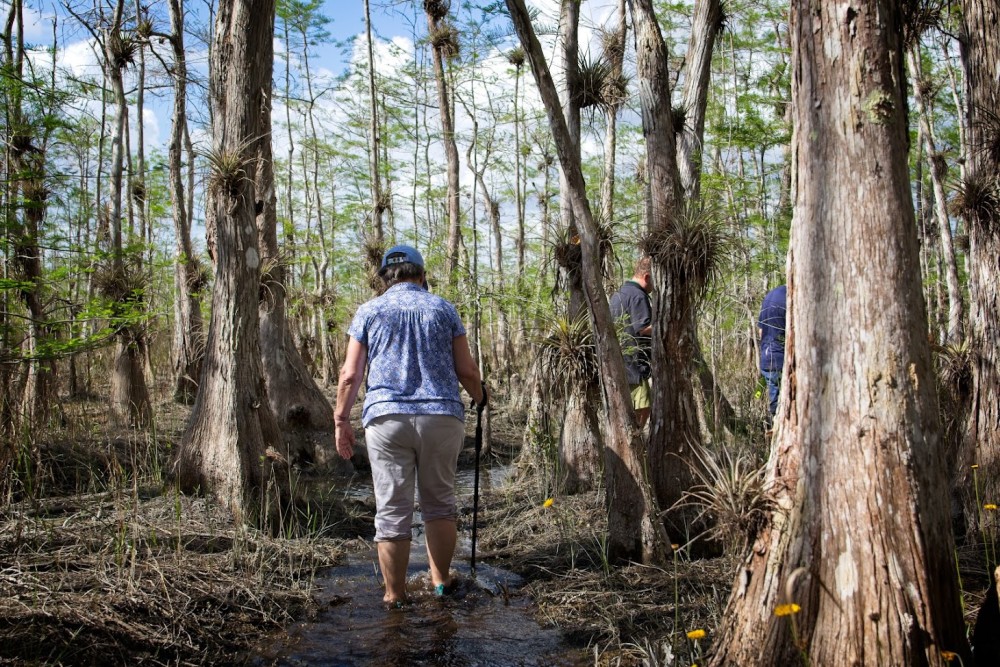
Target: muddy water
[(484, 623)]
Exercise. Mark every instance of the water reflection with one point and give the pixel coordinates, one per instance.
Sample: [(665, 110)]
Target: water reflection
[(479, 625)]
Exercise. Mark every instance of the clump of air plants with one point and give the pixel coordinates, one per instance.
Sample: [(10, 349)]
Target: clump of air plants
[(373, 251), (919, 16), (678, 117), (567, 352), (383, 204), (568, 251), (20, 138), (926, 87), (122, 48), (597, 86), (228, 169), (139, 191), (272, 279), (122, 282), (516, 57), (954, 371), (691, 249), (35, 193), (954, 364), (613, 44), (977, 201), (641, 173), (445, 40), (144, 28), (123, 285), (437, 9), (731, 496), (195, 276)]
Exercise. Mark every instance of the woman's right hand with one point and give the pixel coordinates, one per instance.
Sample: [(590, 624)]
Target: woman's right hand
[(344, 439)]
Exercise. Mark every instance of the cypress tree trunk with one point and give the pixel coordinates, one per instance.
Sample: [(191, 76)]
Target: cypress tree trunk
[(980, 194), (228, 449), (858, 539), (634, 528), (188, 342)]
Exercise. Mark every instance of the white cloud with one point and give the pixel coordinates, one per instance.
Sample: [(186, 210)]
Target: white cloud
[(79, 60), (151, 127)]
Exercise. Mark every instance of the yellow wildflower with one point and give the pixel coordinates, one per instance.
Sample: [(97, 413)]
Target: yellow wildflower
[(696, 634), (675, 547), (989, 506), (975, 465), (948, 656), (548, 502), (787, 609)]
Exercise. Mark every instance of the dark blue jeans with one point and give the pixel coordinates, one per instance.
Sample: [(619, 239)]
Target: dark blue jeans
[(773, 379)]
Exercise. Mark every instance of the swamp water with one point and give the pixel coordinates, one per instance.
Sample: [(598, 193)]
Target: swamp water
[(485, 623)]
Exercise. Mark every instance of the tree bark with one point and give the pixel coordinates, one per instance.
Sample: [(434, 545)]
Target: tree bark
[(615, 52), (440, 35), (982, 60), (130, 402), (674, 427), (704, 29), (580, 443), (374, 143), (224, 450), (858, 537), (634, 528), (188, 343), (303, 413)]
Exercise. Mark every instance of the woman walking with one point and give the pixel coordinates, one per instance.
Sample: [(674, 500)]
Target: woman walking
[(417, 353)]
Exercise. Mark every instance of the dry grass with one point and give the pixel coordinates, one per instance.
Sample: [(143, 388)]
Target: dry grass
[(99, 565), (113, 578), (628, 615)]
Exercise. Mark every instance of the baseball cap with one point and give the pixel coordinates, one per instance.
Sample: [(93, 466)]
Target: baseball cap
[(402, 253)]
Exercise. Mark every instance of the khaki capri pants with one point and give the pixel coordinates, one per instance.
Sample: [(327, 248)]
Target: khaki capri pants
[(407, 452)]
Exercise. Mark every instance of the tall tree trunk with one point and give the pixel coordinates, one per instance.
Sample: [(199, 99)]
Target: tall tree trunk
[(858, 538), (517, 60), (188, 342), (674, 427), (579, 443), (374, 144), (27, 192), (224, 450), (939, 176), (705, 28), (634, 528), (982, 58), (130, 402), (303, 413), (614, 50), (442, 37)]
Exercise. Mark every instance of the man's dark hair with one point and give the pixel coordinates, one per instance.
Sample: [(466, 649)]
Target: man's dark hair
[(397, 273)]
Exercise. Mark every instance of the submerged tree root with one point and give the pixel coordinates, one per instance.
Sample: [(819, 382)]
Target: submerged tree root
[(109, 579)]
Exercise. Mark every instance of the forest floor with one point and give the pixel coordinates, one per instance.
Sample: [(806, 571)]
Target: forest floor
[(101, 564)]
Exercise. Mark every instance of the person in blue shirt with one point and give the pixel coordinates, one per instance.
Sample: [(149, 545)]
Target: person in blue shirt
[(416, 351), (630, 305), (771, 328)]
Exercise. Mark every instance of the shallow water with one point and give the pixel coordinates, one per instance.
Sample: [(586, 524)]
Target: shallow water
[(484, 623)]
